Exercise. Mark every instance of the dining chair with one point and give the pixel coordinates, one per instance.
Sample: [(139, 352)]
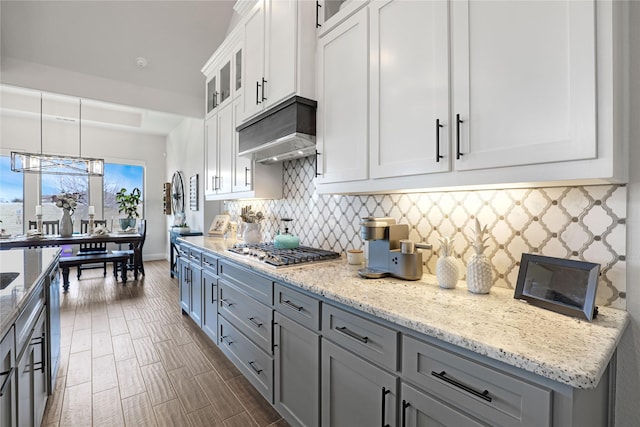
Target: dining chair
[(134, 252), (48, 227), (92, 248)]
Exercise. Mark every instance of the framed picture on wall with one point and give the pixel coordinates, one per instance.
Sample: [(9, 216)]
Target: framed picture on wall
[(193, 192), (219, 225)]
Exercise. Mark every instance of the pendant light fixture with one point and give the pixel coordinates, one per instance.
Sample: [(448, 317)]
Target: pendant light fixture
[(57, 164)]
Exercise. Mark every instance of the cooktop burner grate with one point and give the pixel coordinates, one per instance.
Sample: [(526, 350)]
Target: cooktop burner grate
[(269, 254)]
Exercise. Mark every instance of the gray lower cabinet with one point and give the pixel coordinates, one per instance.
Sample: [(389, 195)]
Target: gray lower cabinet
[(297, 372), (419, 409), (210, 304), (7, 380), (190, 273), (355, 392), (195, 307), (185, 287), (32, 375)]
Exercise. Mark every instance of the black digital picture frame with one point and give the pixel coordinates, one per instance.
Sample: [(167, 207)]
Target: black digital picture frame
[(561, 285)]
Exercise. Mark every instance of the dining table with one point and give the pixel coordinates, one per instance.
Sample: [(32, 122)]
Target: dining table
[(47, 240)]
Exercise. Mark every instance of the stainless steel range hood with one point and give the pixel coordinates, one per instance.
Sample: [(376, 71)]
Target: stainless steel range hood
[(285, 131)]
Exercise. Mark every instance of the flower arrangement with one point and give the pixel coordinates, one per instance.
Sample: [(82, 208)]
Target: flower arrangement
[(66, 201), (250, 216)]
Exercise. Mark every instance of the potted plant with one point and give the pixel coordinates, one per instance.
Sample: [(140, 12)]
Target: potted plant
[(128, 203), (180, 223)]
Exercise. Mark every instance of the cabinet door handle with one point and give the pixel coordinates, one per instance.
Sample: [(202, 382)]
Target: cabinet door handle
[(318, 6), (39, 341), (384, 406), (246, 172), (7, 380), (405, 405), (255, 322), (438, 126), (316, 162), (263, 85), (225, 340), (292, 306), (458, 122), (257, 93), (252, 364), (350, 333), (225, 302), (213, 293), (215, 99), (481, 394)]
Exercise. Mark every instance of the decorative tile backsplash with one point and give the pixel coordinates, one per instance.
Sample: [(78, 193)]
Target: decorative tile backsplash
[(585, 223)]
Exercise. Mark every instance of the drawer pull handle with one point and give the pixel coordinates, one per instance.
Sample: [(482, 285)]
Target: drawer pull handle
[(352, 334), (225, 340), (254, 368), (255, 322), (225, 302), (292, 306), (443, 376), (208, 264), (384, 406), (7, 380)]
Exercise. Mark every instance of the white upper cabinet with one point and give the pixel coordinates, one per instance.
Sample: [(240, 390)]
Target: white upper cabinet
[(470, 94), (279, 40), (211, 155), (226, 137), (524, 82), (409, 119), (342, 115)]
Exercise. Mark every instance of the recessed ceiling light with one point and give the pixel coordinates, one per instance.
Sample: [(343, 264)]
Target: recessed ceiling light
[(141, 62)]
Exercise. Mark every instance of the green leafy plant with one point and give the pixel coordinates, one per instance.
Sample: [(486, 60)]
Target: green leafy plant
[(128, 203)]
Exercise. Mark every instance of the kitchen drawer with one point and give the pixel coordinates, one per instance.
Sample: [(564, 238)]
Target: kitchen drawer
[(251, 317), (183, 250), (255, 364), (195, 256), (210, 262), (259, 287), (304, 309), (483, 392), (366, 338)]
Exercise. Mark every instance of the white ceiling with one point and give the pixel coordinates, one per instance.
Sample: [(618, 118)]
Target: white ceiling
[(89, 48)]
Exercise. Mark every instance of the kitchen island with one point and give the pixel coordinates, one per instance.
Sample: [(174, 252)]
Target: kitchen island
[(29, 332), (561, 353)]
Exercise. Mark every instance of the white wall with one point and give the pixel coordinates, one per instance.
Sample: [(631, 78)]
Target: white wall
[(185, 153), (628, 378), (23, 134)]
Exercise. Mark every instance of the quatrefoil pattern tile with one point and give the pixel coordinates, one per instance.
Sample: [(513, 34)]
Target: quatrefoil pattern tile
[(585, 223)]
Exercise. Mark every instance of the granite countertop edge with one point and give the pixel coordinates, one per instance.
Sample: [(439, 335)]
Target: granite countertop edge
[(530, 339)]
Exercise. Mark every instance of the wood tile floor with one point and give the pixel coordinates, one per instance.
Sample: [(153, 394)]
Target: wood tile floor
[(130, 358)]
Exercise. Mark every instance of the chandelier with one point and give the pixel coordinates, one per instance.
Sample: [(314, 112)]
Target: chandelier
[(57, 164)]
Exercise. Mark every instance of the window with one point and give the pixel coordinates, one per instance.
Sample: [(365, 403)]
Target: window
[(117, 176), (52, 185), (11, 198)]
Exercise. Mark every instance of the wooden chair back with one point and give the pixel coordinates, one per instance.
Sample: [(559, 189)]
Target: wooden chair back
[(48, 227), (92, 248)]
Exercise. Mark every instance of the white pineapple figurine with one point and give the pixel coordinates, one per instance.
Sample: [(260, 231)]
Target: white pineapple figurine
[(447, 271), (479, 271)]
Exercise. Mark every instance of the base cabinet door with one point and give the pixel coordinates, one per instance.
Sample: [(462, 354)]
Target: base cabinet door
[(297, 372), (210, 304), (419, 409), (32, 377), (195, 281), (355, 392), (185, 287), (7, 381)]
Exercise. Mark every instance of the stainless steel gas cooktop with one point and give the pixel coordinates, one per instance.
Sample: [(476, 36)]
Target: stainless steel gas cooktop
[(269, 254)]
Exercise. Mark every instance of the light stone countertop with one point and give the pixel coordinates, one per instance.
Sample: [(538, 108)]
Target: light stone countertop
[(562, 348)]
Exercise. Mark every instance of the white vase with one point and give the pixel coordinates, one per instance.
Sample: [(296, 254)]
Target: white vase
[(252, 232), (66, 225), (479, 274)]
